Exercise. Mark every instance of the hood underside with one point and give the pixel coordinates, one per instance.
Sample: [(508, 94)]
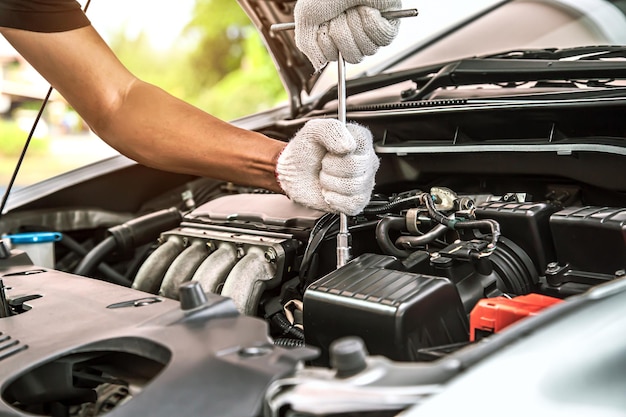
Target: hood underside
[(296, 72)]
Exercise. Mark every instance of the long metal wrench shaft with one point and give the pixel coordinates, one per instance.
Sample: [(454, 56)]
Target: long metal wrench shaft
[(344, 240), (391, 14), (343, 237)]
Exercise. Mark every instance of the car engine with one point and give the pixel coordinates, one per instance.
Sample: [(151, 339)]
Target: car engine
[(421, 262), (228, 300)]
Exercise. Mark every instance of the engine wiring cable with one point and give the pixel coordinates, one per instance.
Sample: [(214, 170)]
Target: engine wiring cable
[(20, 160), (318, 233), (456, 224), (394, 205)]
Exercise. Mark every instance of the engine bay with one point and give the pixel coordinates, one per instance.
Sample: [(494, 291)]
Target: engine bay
[(422, 261), (167, 283)]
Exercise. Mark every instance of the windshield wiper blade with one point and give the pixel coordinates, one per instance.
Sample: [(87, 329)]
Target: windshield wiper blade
[(594, 52), (491, 71), (363, 84)]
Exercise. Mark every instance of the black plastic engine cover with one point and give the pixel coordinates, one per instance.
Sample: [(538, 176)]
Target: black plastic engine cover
[(212, 360), (394, 312)]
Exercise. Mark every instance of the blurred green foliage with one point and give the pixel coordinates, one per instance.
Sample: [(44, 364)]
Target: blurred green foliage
[(219, 63), (12, 140)]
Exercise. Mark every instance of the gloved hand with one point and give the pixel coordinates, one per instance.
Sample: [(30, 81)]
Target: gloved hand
[(353, 27), (328, 166)]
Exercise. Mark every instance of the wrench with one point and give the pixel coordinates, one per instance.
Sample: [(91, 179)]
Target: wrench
[(392, 14), (344, 240)]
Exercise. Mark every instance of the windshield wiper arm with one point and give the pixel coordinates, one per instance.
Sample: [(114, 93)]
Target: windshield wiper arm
[(490, 71), (363, 84), (574, 53)]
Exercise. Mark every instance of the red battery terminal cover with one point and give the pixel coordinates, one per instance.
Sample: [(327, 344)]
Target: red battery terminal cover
[(491, 315)]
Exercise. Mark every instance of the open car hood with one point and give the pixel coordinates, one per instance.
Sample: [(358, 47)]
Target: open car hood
[(295, 70)]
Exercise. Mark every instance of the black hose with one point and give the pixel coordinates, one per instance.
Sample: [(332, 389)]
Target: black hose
[(456, 224), (287, 328), (95, 256), (289, 343), (416, 241), (382, 235), (109, 273), (129, 235)]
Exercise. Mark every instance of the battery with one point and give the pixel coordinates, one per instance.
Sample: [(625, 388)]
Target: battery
[(491, 315)]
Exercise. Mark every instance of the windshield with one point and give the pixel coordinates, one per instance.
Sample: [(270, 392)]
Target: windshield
[(464, 29)]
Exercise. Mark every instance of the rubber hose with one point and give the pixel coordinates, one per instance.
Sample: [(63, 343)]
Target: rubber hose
[(288, 329), (415, 241), (382, 235), (128, 235), (109, 273), (289, 343), (95, 256)]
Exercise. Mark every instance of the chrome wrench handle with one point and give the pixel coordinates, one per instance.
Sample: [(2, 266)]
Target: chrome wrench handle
[(392, 14)]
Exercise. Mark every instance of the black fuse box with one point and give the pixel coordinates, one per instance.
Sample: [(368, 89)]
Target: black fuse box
[(591, 239), (395, 312)]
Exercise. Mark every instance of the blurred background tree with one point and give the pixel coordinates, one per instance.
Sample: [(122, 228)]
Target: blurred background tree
[(218, 64)]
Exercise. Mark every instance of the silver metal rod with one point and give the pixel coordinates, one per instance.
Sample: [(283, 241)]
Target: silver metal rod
[(392, 14), (343, 238), (344, 243)]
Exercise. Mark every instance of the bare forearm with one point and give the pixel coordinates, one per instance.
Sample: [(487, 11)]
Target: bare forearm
[(140, 120), (161, 131)]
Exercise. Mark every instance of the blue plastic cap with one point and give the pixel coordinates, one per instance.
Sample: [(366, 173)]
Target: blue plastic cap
[(36, 237)]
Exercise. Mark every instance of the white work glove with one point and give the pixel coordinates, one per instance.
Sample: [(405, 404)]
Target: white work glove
[(353, 27), (328, 166)]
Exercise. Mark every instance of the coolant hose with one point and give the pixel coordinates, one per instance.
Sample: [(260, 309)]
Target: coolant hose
[(129, 235), (109, 273), (416, 241), (382, 235), (145, 229), (456, 224), (95, 256)]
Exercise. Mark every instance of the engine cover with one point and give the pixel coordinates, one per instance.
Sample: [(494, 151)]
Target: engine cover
[(76, 333)]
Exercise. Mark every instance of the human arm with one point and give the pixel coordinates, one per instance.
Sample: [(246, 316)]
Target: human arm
[(140, 120)]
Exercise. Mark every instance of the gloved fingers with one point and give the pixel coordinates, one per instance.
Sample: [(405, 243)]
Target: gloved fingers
[(298, 176), (363, 138), (352, 167), (310, 194), (347, 204), (311, 41), (313, 19), (346, 185), (316, 12), (381, 31), (326, 43), (349, 37), (347, 182), (329, 134)]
